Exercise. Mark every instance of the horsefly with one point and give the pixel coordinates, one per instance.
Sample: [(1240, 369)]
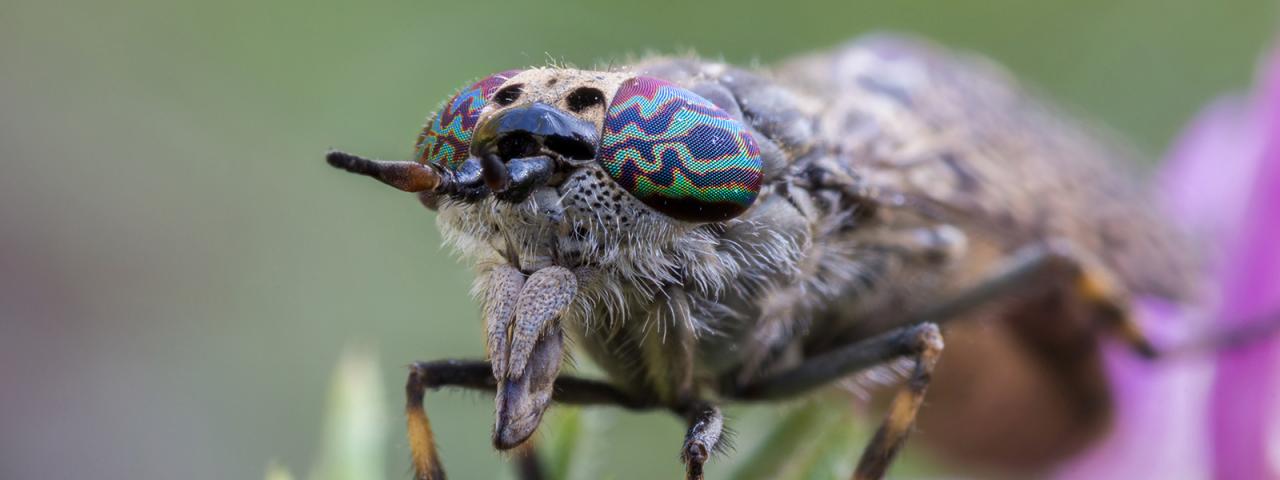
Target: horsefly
[(708, 234)]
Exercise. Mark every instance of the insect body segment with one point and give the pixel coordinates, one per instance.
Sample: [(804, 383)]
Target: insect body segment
[(679, 153)]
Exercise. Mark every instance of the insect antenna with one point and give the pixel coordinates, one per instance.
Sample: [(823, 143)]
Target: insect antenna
[(407, 176)]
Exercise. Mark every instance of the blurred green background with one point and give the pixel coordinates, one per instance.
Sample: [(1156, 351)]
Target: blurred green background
[(179, 271)]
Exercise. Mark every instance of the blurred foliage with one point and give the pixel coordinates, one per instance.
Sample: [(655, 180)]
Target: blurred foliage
[(355, 431), (355, 426), (178, 268), (277, 472), (566, 446), (799, 445)]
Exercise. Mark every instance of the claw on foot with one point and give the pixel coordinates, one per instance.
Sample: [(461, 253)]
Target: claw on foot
[(706, 426)]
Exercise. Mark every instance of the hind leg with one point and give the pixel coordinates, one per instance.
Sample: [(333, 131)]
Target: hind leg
[(922, 343), (1031, 272)]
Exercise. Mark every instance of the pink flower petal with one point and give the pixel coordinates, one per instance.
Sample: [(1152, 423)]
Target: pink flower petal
[(1211, 416), (1202, 178), (1246, 393), (1151, 437)]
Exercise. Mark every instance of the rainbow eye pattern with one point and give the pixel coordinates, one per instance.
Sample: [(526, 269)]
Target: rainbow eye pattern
[(446, 139), (679, 153)]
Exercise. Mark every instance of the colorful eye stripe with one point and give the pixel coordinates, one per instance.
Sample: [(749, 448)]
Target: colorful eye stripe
[(679, 153), (447, 138)]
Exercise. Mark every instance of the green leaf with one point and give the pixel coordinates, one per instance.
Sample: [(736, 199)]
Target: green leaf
[(817, 440), (836, 452), (275, 471), (569, 438), (785, 441), (355, 428)]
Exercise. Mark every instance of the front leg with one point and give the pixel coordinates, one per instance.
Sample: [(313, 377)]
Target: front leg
[(432, 375), (476, 375)]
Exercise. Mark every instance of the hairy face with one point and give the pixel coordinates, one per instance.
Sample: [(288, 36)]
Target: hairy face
[(562, 184), (628, 181), (572, 167)]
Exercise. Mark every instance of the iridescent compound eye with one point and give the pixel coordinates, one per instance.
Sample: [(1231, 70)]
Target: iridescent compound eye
[(678, 153), (446, 139)]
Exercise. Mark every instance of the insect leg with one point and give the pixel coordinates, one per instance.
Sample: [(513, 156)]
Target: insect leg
[(1041, 268), (1032, 270), (706, 427), (922, 342), (432, 375), (1229, 338), (478, 375), (892, 433)]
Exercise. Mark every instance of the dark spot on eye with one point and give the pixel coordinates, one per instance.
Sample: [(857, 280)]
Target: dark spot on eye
[(584, 98), (508, 95)]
